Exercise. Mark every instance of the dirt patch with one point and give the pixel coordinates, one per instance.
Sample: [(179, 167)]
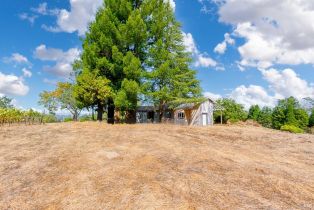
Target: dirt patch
[(99, 166)]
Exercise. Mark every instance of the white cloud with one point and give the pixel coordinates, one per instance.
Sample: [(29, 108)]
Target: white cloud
[(41, 9), (200, 59), (222, 47), (287, 83), (204, 61), (212, 95), (26, 72), (252, 95), (282, 84), (275, 32), (189, 43), (29, 18), (16, 58), (81, 13), (12, 85), (63, 59), (50, 81)]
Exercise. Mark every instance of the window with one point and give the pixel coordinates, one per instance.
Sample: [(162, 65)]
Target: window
[(181, 115)]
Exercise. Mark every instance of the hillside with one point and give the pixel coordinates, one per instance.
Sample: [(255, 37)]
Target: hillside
[(98, 166)]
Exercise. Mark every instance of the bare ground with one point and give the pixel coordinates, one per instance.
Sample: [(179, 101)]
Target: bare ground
[(98, 166)]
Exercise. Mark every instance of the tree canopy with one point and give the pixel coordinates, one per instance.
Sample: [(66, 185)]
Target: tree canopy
[(5, 102), (61, 98), (136, 47), (232, 111), (289, 112), (170, 77), (254, 112)]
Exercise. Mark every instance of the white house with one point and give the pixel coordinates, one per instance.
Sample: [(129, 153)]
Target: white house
[(196, 114)]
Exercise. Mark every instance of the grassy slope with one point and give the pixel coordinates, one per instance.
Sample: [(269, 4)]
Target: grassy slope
[(97, 166)]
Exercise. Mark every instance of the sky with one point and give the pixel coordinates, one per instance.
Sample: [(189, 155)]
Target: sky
[(253, 51)]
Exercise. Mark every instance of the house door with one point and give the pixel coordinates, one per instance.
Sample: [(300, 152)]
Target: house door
[(204, 119)]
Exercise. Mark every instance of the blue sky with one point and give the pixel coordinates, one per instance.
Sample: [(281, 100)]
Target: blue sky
[(255, 52)]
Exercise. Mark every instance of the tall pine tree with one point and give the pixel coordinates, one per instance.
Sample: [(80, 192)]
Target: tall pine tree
[(113, 50), (169, 77)]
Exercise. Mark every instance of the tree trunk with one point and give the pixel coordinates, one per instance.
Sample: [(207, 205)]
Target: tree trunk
[(161, 111), (75, 116), (111, 109), (100, 112), (93, 117), (131, 117)]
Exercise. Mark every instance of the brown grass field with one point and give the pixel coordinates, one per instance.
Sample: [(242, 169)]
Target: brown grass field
[(99, 166)]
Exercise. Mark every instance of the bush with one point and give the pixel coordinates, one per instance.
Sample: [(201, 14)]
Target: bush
[(85, 118), (265, 117), (291, 129), (50, 119), (232, 112), (254, 112), (289, 112), (311, 120), (68, 119)]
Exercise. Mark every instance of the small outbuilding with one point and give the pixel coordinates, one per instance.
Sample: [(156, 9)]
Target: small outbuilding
[(197, 114), (150, 114)]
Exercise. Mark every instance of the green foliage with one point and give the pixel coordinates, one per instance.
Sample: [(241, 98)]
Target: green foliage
[(311, 120), (254, 112), (85, 118), (50, 118), (5, 103), (62, 97), (170, 78), (114, 50), (137, 48), (290, 116), (68, 119), (302, 118), (232, 112), (265, 117), (92, 88), (289, 112), (278, 117), (126, 98), (13, 115), (291, 129), (49, 101), (64, 94)]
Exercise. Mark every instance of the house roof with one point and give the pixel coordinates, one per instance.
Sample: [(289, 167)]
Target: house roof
[(186, 106), (192, 105)]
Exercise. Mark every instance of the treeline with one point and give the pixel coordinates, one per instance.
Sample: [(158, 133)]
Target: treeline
[(11, 115), (288, 115)]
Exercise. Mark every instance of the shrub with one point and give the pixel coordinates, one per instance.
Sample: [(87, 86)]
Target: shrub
[(302, 118), (68, 119), (311, 120), (232, 112), (254, 112), (85, 118), (289, 112), (265, 117), (50, 118), (291, 129)]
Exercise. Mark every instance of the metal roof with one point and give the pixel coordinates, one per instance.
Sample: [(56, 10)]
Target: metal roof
[(186, 106)]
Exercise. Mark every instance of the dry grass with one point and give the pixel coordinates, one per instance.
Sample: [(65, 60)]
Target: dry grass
[(98, 166)]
